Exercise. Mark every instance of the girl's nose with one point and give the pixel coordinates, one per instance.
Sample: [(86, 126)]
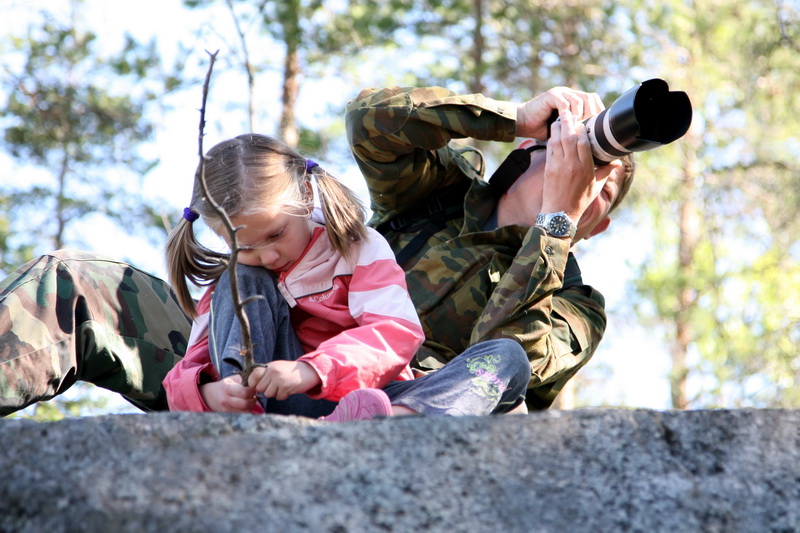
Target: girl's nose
[(269, 257)]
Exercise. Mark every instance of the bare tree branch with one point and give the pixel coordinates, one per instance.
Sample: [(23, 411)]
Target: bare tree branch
[(238, 305), (248, 66)]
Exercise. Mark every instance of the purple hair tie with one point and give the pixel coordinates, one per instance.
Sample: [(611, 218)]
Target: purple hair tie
[(190, 215), (310, 163)]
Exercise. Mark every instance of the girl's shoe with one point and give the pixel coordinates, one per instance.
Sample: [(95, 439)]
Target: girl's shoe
[(361, 404)]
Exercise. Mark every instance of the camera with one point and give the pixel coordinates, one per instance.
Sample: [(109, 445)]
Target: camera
[(645, 117)]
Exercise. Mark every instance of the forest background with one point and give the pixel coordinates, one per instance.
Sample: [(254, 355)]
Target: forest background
[(99, 115)]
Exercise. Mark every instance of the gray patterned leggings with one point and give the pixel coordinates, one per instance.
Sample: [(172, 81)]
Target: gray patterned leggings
[(488, 377)]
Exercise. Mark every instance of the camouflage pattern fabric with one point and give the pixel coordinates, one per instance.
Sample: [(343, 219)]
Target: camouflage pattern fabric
[(467, 284), (71, 316)]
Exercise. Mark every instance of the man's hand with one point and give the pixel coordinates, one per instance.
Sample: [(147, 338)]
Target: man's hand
[(281, 379), (533, 115), (570, 181), (228, 395)]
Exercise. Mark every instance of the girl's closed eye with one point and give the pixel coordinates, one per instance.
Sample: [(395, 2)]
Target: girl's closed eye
[(268, 239), (271, 238)]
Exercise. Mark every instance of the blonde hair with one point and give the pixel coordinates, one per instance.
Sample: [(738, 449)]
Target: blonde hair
[(247, 175), (630, 169)]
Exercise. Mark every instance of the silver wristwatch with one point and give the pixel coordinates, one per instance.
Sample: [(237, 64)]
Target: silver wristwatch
[(557, 224)]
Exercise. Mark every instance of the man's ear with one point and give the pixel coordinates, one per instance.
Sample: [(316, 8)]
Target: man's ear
[(599, 228)]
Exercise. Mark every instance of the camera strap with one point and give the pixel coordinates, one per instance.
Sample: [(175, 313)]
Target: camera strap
[(512, 168), (448, 203)]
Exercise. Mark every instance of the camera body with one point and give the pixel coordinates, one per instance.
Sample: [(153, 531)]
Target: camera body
[(645, 117)]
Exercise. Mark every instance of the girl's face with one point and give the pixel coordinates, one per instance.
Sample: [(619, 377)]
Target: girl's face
[(272, 239)]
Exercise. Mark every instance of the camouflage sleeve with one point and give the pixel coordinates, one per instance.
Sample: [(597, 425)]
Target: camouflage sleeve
[(520, 304), (559, 329), (399, 137)]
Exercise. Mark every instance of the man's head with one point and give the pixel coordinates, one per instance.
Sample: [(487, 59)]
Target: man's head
[(526, 192), (596, 218)]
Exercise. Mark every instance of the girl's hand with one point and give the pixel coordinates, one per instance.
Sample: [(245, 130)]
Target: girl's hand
[(228, 395), (281, 379), (570, 182), (533, 115)]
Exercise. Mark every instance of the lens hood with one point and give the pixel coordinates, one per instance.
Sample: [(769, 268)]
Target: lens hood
[(645, 117)]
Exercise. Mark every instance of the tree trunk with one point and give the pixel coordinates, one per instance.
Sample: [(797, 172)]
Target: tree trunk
[(61, 201), (477, 49), (687, 245), (291, 71)]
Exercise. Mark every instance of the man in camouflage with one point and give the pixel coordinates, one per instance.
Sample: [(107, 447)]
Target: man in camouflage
[(472, 279), (71, 316)]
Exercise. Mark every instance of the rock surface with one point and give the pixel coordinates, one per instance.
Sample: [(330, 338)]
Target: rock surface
[(590, 470)]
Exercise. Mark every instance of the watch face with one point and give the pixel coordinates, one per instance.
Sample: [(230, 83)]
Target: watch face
[(559, 225)]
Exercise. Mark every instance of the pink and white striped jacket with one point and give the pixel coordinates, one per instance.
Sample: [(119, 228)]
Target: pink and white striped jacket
[(353, 317)]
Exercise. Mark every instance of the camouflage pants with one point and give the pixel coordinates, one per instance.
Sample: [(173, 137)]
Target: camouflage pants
[(70, 316)]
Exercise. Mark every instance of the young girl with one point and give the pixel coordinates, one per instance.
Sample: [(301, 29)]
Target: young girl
[(333, 322)]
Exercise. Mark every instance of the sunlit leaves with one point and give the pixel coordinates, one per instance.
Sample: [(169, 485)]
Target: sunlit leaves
[(80, 117), (742, 75)]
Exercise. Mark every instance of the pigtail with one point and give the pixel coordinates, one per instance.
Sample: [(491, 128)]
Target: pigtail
[(188, 259), (344, 213)]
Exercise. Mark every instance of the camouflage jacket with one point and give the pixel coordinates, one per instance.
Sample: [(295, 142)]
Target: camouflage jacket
[(468, 284)]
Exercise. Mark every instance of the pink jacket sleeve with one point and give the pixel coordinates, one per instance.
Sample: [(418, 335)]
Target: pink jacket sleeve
[(388, 334), (182, 383)]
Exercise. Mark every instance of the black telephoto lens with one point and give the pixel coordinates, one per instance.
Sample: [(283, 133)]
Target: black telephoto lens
[(645, 117)]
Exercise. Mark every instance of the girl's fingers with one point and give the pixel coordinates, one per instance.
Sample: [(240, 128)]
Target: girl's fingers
[(272, 390), (238, 405), (257, 374), (234, 388)]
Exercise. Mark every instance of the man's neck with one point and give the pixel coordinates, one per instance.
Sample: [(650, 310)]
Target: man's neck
[(512, 210)]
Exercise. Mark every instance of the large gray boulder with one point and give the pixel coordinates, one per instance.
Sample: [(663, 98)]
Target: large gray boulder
[(586, 470)]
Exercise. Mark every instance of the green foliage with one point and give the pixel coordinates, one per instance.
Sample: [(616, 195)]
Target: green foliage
[(61, 108), (82, 399), (740, 181), (78, 116)]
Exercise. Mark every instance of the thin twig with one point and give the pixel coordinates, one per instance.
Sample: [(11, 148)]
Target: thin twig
[(238, 304)]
